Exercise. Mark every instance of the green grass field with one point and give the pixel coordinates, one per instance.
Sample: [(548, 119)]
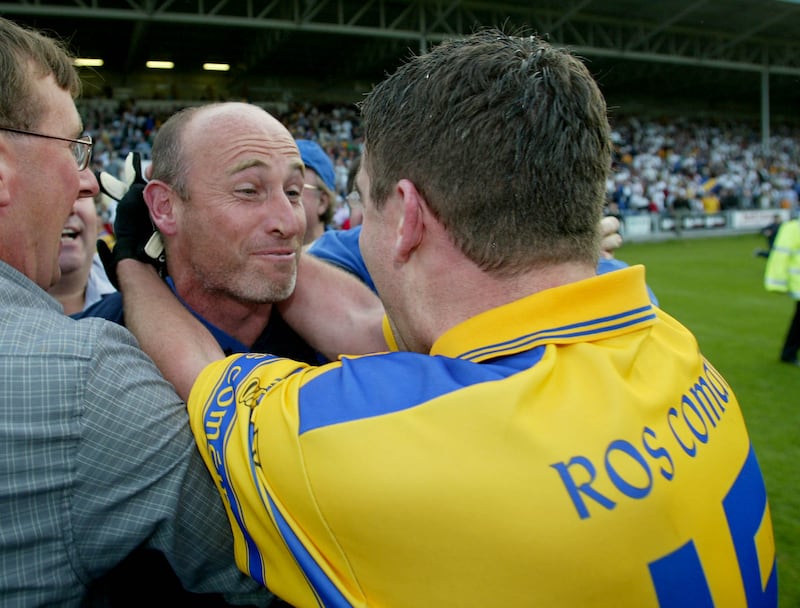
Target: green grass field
[(714, 287)]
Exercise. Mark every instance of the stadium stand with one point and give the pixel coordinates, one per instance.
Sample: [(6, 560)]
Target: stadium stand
[(716, 171), (709, 56), (703, 95)]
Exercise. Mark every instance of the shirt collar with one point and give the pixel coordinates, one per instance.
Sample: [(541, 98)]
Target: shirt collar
[(596, 308)]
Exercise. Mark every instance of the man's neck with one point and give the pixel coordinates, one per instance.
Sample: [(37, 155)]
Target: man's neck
[(244, 321), (71, 291), (471, 292)]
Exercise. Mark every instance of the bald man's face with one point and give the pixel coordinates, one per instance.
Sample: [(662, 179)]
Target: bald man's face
[(240, 232)]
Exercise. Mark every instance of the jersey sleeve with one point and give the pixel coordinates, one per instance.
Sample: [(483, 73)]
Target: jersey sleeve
[(340, 248), (240, 408)]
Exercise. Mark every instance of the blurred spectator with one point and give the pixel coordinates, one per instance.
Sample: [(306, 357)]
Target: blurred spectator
[(769, 232), (83, 280), (319, 193), (355, 210)]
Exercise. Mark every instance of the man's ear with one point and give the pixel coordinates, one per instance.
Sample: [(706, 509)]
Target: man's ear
[(411, 224), (324, 203), (159, 196)]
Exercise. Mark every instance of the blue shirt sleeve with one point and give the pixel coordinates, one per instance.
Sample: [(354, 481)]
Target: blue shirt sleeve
[(340, 248)]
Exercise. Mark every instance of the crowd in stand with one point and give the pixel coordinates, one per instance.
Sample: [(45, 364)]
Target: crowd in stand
[(661, 166), (702, 167)]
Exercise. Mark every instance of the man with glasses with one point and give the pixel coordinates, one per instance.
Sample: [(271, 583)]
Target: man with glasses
[(319, 190), (96, 456), (81, 148)]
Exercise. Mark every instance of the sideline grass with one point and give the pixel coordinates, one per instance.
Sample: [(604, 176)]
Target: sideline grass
[(714, 287)]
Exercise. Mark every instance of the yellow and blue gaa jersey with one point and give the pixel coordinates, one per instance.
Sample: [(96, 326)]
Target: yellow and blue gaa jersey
[(570, 449)]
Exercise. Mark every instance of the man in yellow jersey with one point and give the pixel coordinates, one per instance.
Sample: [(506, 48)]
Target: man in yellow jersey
[(549, 437)]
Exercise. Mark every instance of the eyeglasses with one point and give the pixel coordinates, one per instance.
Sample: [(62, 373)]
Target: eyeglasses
[(311, 187), (81, 148)]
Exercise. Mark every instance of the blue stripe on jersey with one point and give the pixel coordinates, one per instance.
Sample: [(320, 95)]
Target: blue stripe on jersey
[(326, 591), (568, 332), (219, 419), (383, 393)]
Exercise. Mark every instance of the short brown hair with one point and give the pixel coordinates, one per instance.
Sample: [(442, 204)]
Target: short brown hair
[(25, 55), (508, 140)]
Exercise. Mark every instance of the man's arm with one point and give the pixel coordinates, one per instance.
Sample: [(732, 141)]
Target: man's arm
[(178, 343), (338, 314), (334, 311)]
